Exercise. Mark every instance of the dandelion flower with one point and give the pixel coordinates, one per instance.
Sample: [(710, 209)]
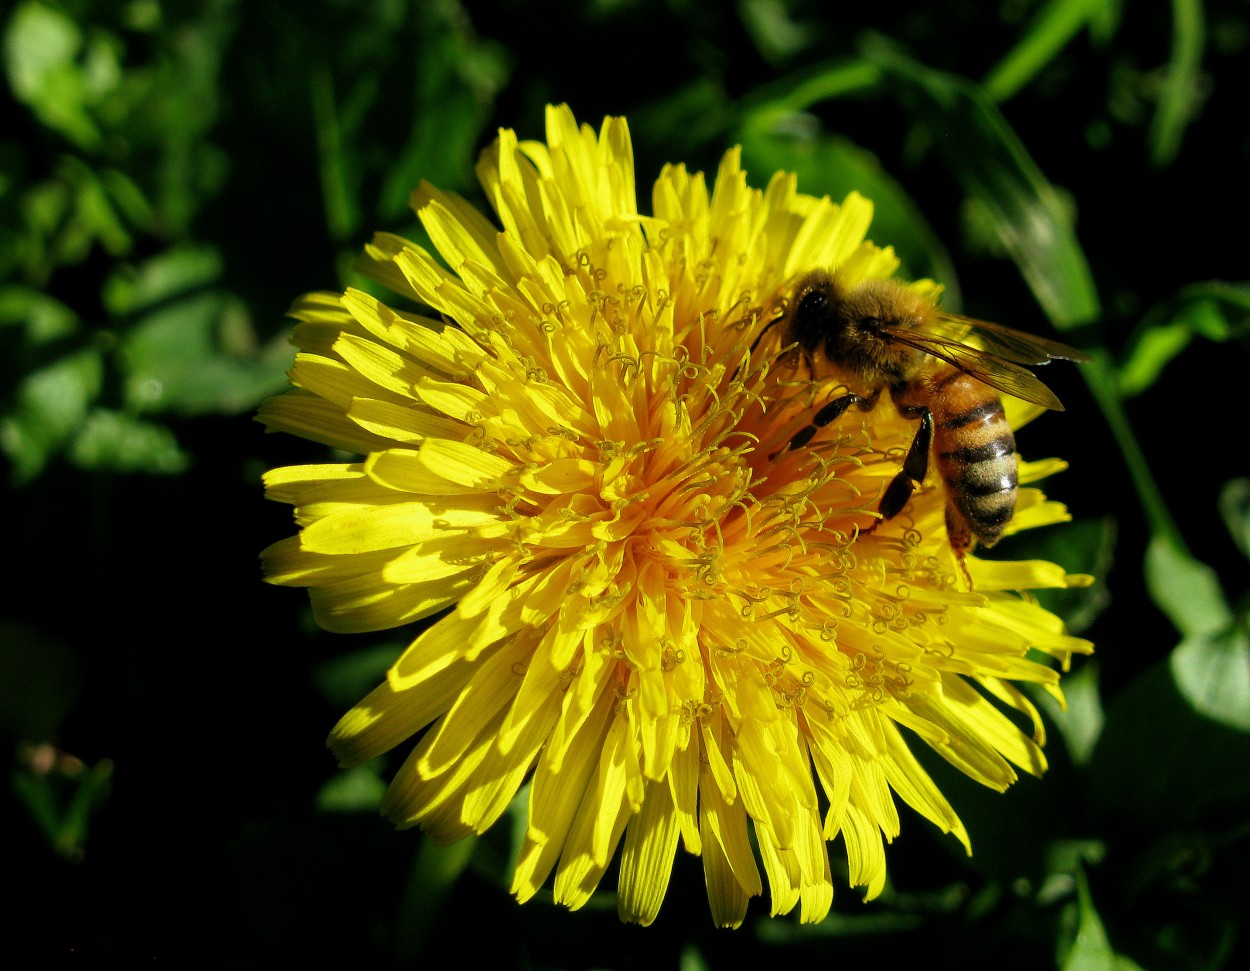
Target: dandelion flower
[(676, 630)]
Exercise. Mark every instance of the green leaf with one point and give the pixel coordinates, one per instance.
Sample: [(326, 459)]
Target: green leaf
[(339, 182), (89, 795), (438, 99), (1092, 950), (41, 48), (1101, 376), (458, 77), (67, 215), (1050, 30), (1217, 311), (692, 960), (345, 680), (45, 318), (1212, 672), (1180, 98), (773, 106), (161, 278), (685, 123), (435, 870), (987, 158), (35, 793), (1105, 22), (355, 790), (60, 794), (1186, 590), (51, 405), (1082, 721), (1235, 511), (1150, 353), (191, 348), (177, 359), (112, 441), (95, 216), (126, 198), (773, 29)]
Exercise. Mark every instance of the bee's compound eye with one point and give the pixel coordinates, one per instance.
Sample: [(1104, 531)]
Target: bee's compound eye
[(812, 303), (811, 317)]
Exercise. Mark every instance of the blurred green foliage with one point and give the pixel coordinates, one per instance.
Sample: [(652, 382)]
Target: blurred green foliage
[(173, 173)]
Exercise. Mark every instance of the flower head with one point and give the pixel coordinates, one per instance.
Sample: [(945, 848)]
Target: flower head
[(678, 629)]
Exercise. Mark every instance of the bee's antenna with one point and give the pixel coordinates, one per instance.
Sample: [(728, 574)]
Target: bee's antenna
[(780, 316)]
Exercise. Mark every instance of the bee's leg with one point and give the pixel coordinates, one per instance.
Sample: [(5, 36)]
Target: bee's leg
[(915, 464), (957, 530), (960, 536), (828, 414), (915, 468)]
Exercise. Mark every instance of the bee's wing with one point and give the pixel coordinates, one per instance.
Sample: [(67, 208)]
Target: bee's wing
[(1002, 375), (1004, 342)]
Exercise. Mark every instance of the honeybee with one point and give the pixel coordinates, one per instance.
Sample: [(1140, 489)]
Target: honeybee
[(940, 369)]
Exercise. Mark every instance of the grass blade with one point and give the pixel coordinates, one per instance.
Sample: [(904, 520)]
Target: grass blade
[(995, 169)]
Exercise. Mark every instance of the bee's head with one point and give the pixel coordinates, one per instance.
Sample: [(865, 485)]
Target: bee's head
[(849, 323), (813, 313)]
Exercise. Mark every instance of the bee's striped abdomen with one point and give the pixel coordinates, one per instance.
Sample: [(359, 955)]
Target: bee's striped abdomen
[(976, 455)]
